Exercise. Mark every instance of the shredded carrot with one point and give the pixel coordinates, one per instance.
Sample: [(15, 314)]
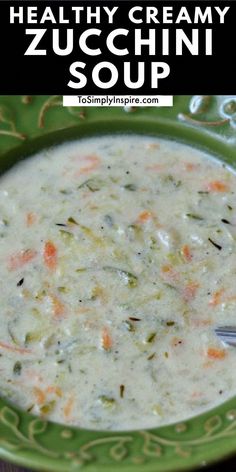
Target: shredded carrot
[(50, 255), (217, 186), (21, 350), (220, 297), (144, 216), (231, 298), (207, 364), (58, 306), (169, 273), (54, 389), (39, 395), (19, 259), (166, 269), (156, 167), (33, 375), (82, 309), (31, 218), (68, 406), (93, 163), (106, 340), (217, 297), (197, 322), (215, 353), (153, 146), (196, 394), (186, 253), (190, 166), (190, 290)]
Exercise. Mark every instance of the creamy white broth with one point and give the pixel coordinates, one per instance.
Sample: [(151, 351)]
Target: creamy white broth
[(117, 261)]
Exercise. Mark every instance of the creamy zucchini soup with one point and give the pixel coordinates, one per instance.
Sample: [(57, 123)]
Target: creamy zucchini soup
[(117, 262)]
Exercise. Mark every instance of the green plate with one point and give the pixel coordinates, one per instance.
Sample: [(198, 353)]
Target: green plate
[(207, 123)]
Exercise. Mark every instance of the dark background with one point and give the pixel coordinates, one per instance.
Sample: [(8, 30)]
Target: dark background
[(32, 75)]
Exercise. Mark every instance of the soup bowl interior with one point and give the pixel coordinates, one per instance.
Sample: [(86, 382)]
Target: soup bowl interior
[(40, 444)]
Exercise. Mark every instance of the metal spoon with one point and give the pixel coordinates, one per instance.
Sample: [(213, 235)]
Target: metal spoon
[(227, 334)]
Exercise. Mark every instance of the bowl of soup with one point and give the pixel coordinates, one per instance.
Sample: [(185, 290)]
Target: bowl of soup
[(117, 265)]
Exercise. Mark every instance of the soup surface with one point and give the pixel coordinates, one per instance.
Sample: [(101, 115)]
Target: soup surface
[(117, 261)]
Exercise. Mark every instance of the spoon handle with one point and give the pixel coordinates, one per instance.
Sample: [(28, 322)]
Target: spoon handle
[(227, 334)]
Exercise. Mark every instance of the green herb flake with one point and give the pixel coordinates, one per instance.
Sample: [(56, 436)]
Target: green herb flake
[(194, 216), (178, 183), (122, 390), (130, 187), (72, 221), (63, 289), (17, 368), (169, 285), (50, 341), (65, 191), (170, 179), (151, 356), (136, 230), (48, 407), (107, 402), (66, 235), (31, 337), (217, 246), (157, 410), (170, 323), (130, 279), (151, 337), (130, 327), (153, 243), (30, 408), (12, 336), (21, 281), (35, 312), (174, 258), (40, 295), (94, 185)]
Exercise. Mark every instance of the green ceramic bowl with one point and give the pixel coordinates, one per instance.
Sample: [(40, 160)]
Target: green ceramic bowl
[(207, 123)]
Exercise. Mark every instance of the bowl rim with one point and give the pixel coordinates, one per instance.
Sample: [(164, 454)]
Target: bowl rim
[(217, 425)]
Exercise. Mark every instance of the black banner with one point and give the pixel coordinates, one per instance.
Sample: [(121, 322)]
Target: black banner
[(124, 47)]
